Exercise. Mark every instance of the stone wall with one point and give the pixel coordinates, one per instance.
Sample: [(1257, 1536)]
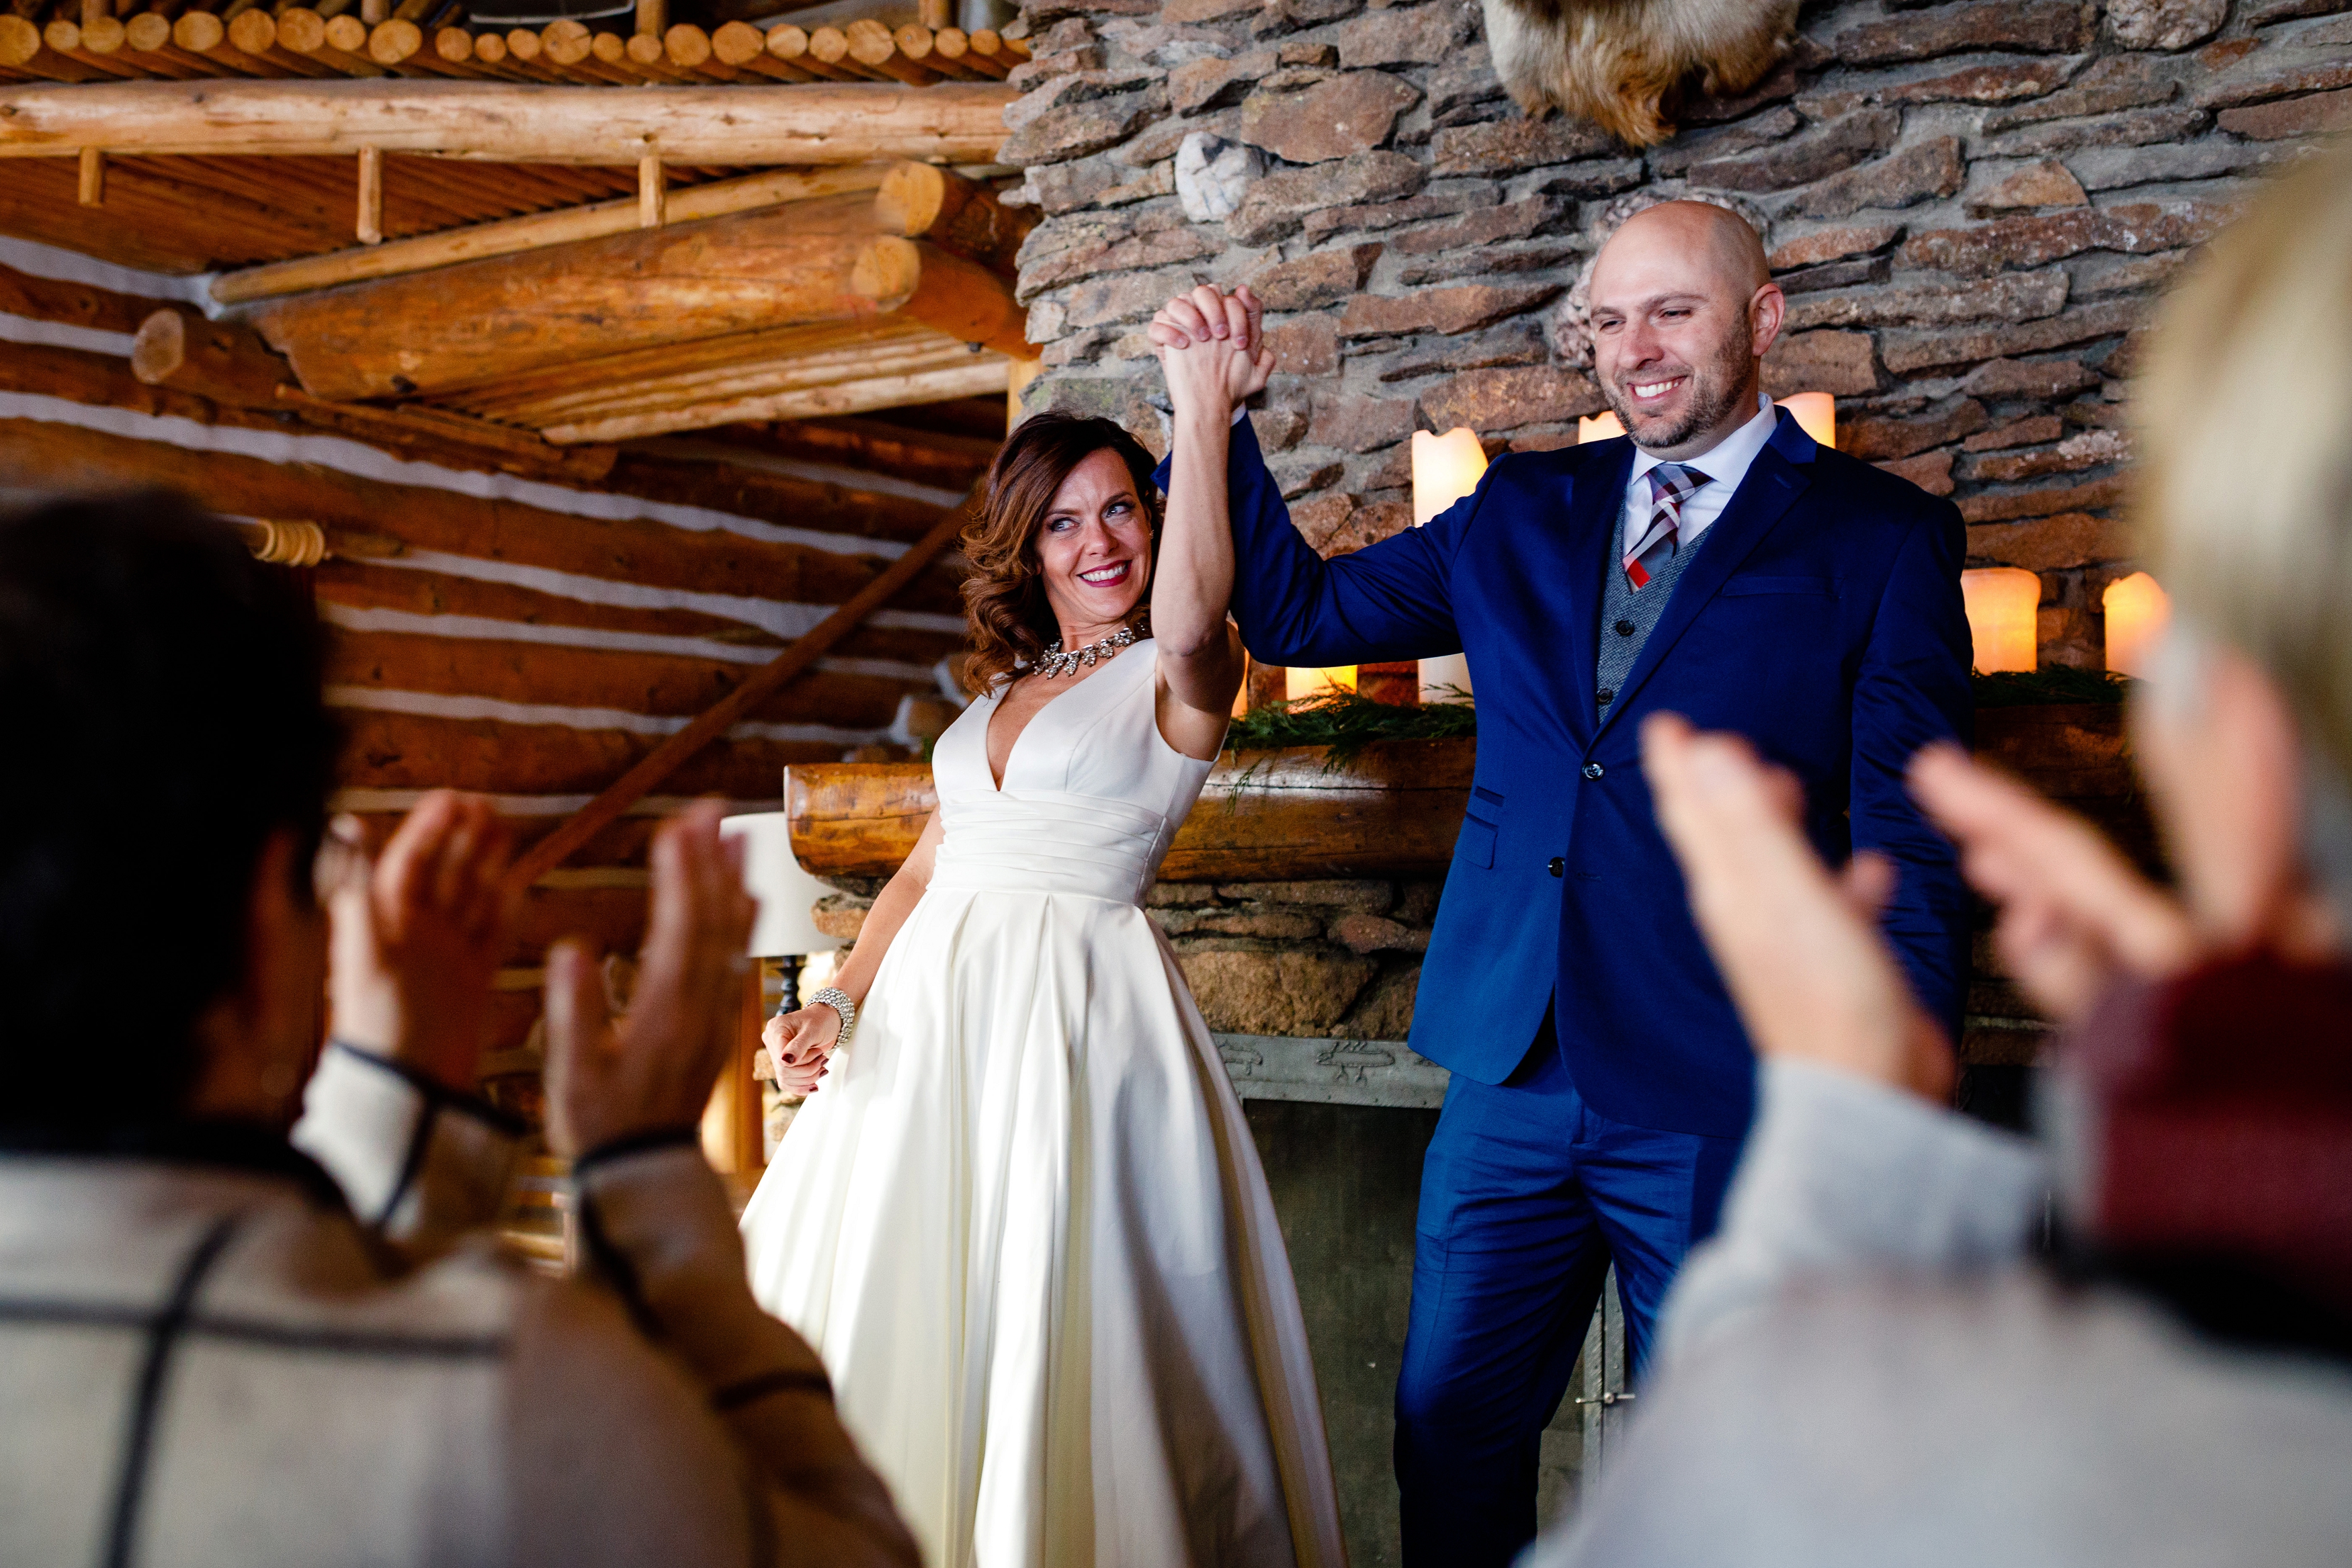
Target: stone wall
[(1970, 207)]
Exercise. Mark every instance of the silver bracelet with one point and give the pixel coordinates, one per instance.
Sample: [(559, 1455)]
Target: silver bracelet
[(838, 1000)]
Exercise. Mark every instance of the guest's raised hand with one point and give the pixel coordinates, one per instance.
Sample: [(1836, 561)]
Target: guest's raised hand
[(418, 933), (652, 1073), (2075, 917), (1798, 947), (1212, 350)]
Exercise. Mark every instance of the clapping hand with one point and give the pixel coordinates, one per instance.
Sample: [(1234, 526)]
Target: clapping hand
[(652, 1073), (1798, 947), (1212, 350), (801, 1043), (418, 934)]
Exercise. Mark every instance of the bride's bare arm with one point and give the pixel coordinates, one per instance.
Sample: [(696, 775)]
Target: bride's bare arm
[(800, 1041), (1201, 658)]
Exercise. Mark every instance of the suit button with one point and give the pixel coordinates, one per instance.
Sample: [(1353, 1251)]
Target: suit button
[(1604, 696), (1593, 770), (1623, 628), (1558, 867)]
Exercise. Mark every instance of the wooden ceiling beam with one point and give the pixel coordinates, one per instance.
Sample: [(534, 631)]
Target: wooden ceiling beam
[(985, 375), (955, 122)]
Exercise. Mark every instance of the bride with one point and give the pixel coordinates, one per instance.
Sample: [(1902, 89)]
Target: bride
[(1021, 1219)]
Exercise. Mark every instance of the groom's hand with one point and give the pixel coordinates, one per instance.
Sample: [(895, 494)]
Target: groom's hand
[(1212, 348)]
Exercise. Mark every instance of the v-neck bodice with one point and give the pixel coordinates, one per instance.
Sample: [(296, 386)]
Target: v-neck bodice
[(1092, 792)]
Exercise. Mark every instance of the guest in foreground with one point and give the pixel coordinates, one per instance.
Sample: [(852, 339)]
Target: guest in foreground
[(1881, 1358), (1716, 563), (220, 1347)]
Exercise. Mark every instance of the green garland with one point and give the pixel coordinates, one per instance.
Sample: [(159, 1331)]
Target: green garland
[(1347, 723)]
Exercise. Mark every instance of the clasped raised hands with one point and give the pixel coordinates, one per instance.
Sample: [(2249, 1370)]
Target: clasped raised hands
[(1212, 347)]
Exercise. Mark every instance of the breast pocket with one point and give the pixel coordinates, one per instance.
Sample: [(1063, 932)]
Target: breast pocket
[(1757, 587)]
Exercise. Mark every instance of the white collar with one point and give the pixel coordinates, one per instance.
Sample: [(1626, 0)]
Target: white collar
[(1727, 461)]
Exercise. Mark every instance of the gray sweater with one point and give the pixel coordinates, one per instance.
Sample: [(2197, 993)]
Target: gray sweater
[(1861, 1370)]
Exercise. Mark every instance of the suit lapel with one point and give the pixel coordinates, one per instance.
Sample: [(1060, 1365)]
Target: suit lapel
[(1597, 488), (1781, 472)]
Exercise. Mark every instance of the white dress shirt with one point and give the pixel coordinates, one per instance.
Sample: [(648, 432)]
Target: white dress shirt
[(1725, 465)]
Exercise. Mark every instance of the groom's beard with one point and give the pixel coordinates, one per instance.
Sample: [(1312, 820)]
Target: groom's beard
[(1715, 389)]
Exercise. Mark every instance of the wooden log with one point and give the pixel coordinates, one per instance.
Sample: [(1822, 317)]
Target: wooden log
[(411, 751), (506, 236), (947, 293), (790, 44), (745, 47), (224, 360), (749, 488), (919, 201), (479, 322), (1271, 816), (669, 686), (927, 457), (90, 180), (955, 121), (874, 46), (98, 381), (980, 379), (72, 304), (671, 759), (39, 455), (953, 45)]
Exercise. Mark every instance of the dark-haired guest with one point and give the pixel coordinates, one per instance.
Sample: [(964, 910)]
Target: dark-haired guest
[(1895, 1351), (1023, 1220), (217, 1347)]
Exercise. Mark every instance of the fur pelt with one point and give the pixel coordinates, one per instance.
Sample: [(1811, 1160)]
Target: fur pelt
[(1616, 62)]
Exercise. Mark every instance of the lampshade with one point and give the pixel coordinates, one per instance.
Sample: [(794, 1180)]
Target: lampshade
[(2138, 611), (1314, 683), (785, 891), (1445, 469), (1446, 679), (2004, 605), (1815, 413)]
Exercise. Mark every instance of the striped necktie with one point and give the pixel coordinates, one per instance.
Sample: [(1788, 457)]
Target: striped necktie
[(1671, 484)]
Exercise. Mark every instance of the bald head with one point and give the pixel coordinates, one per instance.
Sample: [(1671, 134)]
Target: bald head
[(1682, 308)]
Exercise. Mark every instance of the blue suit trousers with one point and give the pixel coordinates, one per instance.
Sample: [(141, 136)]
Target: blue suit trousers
[(1527, 1197)]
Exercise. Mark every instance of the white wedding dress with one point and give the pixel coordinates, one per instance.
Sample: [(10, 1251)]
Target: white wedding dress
[(1021, 1219)]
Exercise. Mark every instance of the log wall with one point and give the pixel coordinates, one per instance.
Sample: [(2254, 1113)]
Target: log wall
[(522, 636)]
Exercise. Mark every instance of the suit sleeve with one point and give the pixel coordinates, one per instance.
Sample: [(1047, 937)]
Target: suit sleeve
[(1913, 689), (1391, 601)]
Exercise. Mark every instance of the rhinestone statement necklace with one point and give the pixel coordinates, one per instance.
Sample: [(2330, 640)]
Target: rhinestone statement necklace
[(1053, 662)]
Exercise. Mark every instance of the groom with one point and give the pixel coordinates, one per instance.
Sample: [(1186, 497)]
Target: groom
[(1718, 564)]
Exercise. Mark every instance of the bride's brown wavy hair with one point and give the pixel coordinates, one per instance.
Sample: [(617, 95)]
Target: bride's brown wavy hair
[(1004, 597)]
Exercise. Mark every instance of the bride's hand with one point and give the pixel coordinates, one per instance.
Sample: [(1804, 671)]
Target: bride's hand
[(800, 1043), (1212, 350)]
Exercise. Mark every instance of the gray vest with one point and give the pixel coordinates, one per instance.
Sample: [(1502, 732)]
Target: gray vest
[(1626, 615)]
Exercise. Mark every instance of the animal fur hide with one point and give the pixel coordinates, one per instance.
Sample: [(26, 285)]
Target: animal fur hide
[(1615, 62)]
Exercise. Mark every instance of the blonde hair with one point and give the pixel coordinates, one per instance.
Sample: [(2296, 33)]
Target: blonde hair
[(2245, 413)]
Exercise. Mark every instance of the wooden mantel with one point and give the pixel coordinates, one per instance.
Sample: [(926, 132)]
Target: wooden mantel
[(810, 123)]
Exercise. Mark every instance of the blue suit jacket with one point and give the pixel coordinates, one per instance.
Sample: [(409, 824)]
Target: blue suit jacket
[(1823, 620)]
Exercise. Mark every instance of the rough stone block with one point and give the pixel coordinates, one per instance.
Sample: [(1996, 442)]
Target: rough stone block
[(1271, 925), (1385, 1011), (1460, 198), (1511, 399), (2259, 84), (1279, 429), (1460, 89), (1307, 345), (1999, 507), (1321, 278), (1840, 363), (2013, 297), (1213, 175), (2134, 129), (2091, 449), (2165, 23), (1861, 270), (1512, 343), (840, 916), (2127, 274), (1678, 156), (1124, 297), (1838, 145), (1504, 146), (2071, 637), (1212, 83), (1833, 245), (2028, 432), (2027, 242), (2034, 26), (1075, 130), (1275, 204), (1906, 351), (1294, 991), (2115, 168), (2313, 116), (1931, 169), (1416, 35), (2003, 83), (2045, 185), (1369, 524), (1298, 473), (1182, 12), (1448, 310), (1931, 471), (1354, 423), (1352, 113), (1507, 221), (1882, 440), (2060, 542), (1372, 934), (1075, 249), (2118, 82), (1364, 894), (1481, 261), (1592, 177), (2029, 378), (1179, 895)]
